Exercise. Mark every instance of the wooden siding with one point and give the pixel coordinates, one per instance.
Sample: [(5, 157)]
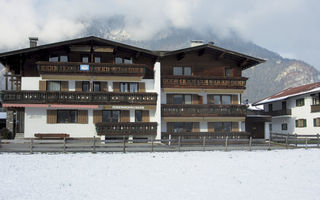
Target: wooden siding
[(97, 116), (52, 116), (124, 116), (42, 85), (145, 116), (83, 116)]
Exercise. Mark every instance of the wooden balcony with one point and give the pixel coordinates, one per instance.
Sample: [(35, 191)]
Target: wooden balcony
[(315, 108), (69, 68), (203, 110), (100, 98), (208, 135), (207, 83), (276, 113), (126, 128)]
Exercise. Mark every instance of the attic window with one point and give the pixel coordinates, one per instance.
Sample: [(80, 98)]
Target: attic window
[(182, 71), (228, 72), (62, 58)]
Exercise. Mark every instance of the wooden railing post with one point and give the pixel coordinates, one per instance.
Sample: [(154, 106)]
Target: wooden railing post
[(250, 143), (179, 142), (226, 144), (94, 144), (124, 145), (31, 146), (204, 143)]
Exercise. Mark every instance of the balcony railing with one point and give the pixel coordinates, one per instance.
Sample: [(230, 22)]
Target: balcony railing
[(208, 135), (315, 108), (203, 110), (199, 82), (126, 128), (275, 113), (91, 68), (101, 98)]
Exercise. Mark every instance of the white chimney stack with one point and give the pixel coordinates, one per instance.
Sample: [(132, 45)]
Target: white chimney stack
[(33, 41), (195, 43)]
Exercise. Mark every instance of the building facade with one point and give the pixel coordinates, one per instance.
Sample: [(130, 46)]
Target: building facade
[(95, 87), (294, 110)]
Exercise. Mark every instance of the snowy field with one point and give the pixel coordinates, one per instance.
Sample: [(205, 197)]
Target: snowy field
[(281, 174)]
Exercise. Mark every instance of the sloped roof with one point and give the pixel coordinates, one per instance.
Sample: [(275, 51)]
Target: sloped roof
[(291, 92)]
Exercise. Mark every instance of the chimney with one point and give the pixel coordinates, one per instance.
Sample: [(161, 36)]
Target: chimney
[(196, 43), (33, 41)]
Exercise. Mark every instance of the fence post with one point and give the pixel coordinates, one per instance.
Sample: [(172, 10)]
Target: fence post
[(31, 146), (269, 145), (306, 143), (204, 143), (287, 141), (151, 144), (250, 143), (226, 144), (317, 138), (179, 142), (124, 144), (170, 140), (64, 144), (296, 140), (94, 144)]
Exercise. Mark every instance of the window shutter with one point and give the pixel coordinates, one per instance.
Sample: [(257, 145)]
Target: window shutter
[(78, 86), (97, 116), (124, 116), (195, 99), (83, 116), (235, 127), (304, 123), (210, 127), (42, 85), (116, 86), (196, 127), (234, 99), (315, 122), (145, 116), (64, 85), (104, 86), (51, 116), (200, 99), (142, 87), (297, 123), (169, 99)]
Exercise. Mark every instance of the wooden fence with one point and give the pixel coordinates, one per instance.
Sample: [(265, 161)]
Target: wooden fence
[(296, 141), (142, 145)]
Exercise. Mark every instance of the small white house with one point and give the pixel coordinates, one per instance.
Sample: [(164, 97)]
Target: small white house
[(294, 110)]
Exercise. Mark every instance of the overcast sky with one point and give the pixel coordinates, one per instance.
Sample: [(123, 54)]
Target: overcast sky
[(288, 27)]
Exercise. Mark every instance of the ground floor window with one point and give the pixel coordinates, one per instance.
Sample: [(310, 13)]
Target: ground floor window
[(300, 123), (67, 116), (222, 126), (138, 116), (284, 126), (110, 116), (316, 122)]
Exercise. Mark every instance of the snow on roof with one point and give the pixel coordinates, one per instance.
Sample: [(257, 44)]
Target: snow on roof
[(253, 107), (291, 92)]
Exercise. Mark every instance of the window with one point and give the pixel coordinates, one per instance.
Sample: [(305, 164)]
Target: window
[(182, 127), (118, 60), (178, 99), (127, 60), (284, 126), (222, 126), (270, 107), (62, 58), (187, 99), (129, 87), (300, 123), (67, 116), (180, 71), (138, 116), (284, 105), (96, 87), (85, 86), (97, 59), (315, 101), (219, 99), (300, 102), (316, 122), (85, 59), (110, 116), (53, 85), (226, 100), (227, 72)]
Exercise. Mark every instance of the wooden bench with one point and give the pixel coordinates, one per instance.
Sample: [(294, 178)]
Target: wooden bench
[(51, 135)]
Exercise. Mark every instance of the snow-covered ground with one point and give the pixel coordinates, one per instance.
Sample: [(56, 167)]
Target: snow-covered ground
[(280, 174)]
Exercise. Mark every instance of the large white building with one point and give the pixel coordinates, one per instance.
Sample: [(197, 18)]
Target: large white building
[(95, 87), (294, 110)]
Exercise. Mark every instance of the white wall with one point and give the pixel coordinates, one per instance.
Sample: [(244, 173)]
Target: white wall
[(30, 83), (157, 89), (36, 122)]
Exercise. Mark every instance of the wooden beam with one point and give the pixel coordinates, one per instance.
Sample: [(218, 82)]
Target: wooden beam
[(180, 56), (243, 63)]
